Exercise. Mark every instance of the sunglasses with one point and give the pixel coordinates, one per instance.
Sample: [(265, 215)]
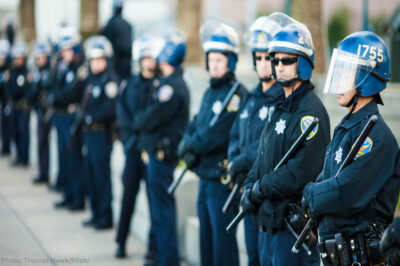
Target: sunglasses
[(285, 61), (266, 58)]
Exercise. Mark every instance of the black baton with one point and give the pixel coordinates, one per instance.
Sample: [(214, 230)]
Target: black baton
[(174, 185), (231, 196), (349, 158), (288, 154)]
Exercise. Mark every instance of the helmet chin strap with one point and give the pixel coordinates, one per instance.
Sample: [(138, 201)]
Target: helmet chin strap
[(287, 83), (266, 79), (353, 103)]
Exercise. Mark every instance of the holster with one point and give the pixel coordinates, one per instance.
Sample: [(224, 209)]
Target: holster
[(360, 250)]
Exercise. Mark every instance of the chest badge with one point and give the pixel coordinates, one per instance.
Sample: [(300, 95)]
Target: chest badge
[(280, 126), (263, 112), (244, 114), (70, 76), (165, 93), (217, 107), (111, 89), (20, 80), (96, 92), (338, 156), (36, 77)]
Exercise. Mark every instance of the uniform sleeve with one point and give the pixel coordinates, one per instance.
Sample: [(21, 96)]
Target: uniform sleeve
[(246, 158), (233, 148), (161, 112), (252, 175), (289, 180), (214, 139), (361, 180), (124, 117)]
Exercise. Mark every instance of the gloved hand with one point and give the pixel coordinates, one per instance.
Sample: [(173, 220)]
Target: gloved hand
[(182, 148), (256, 195), (311, 214), (190, 159), (245, 202), (239, 178), (390, 243)]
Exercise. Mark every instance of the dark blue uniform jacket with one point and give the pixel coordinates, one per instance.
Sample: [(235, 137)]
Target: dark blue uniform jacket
[(286, 184), (133, 97), (245, 134), (211, 143), (364, 192), (166, 116)]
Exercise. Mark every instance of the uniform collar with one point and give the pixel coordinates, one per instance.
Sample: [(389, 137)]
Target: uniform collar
[(275, 91), (291, 103), (365, 112)]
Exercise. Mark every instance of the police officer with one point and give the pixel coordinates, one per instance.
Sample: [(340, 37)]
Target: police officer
[(359, 71), (268, 193), (390, 244), (255, 113), (41, 82), (17, 87), (64, 97), (208, 143), (98, 115), (162, 124), (120, 34), (5, 108), (133, 97)]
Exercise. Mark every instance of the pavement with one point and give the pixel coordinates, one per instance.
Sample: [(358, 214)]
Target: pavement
[(32, 232)]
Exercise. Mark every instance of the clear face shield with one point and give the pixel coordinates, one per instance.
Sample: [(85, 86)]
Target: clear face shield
[(98, 46), (147, 46), (215, 35), (347, 71), (256, 37)]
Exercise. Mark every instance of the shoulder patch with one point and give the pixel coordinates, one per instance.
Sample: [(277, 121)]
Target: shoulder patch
[(365, 148), (234, 104), (111, 89), (165, 93), (305, 122), (82, 72)]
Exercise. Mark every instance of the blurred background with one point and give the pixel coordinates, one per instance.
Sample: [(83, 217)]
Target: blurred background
[(42, 232)]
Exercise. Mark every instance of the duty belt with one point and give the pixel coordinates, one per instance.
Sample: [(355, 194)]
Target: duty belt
[(268, 230), (70, 109), (360, 250), (21, 104), (95, 127)]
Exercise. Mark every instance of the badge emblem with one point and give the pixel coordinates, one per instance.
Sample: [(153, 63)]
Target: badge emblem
[(96, 92), (244, 114), (20, 80), (111, 89), (305, 122), (69, 77), (36, 77), (365, 148), (263, 112), (165, 93), (280, 126), (217, 107), (338, 156)]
